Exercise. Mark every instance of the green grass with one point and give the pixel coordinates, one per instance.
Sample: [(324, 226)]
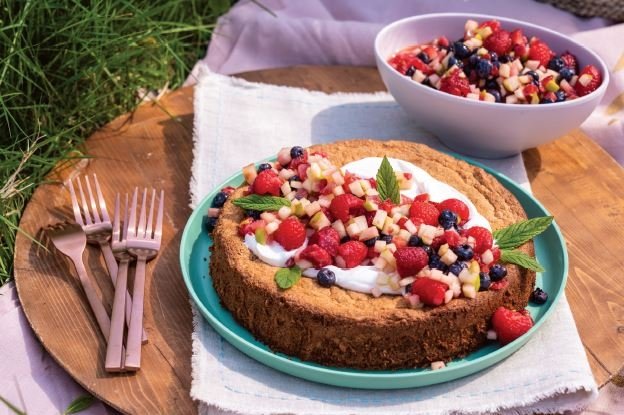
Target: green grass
[(68, 67)]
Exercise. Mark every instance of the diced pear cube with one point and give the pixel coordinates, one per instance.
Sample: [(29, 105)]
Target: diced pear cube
[(511, 84), (261, 236), (388, 256), (325, 200), (380, 218), (511, 99), (585, 79), (312, 208), (369, 233), (315, 171), (370, 206), (307, 184), (250, 173), (338, 190), (380, 246), (337, 177), (532, 64), (268, 217), (340, 228), (365, 185), (285, 188), (504, 70), (319, 221), (487, 257), (284, 212), (295, 184), (353, 230), (272, 227), (449, 257), (470, 26), (391, 247), (469, 291), (404, 234), (361, 221)]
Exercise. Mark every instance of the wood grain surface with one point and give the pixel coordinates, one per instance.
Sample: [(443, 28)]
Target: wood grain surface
[(574, 178)]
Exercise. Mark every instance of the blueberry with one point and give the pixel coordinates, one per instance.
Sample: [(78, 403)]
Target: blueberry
[(535, 77), (561, 96), (556, 64), (493, 57), (546, 101), (345, 239), (414, 240), (410, 71), (326, 277), (384, 237), (447, 219), (264, 166), (473, 60), (210, 222), (496, 94), (427, 249), (505, 59), (456, 267), (539, 296), (408, 289), (435, 262), (370, 242), (498, 272), (423, 57), (254, 214), (491, 84), (484, 281), (296, 151), (294, 178), (461, 51), (566, 73), (484, 68), (452, 61), (219, 200), (464, 252)]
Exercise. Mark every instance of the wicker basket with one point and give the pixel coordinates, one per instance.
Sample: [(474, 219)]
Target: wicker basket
[(609, 9)]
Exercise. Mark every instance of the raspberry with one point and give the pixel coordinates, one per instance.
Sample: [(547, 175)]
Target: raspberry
[(249, 226), (499, 285), (570, 61), (595, 79), (343, 205), (327, 238), (539, 51), (386, 205), (423, 197), (437, 242), (457, 207), (455, 83), (352, 253), (483, 238), (510, 324), (499, 42), (452, 238), (410, 260), (290, 234), (425, 212), (518, 38), (430, 292), (318, 256), (267, 182), (496, 253)]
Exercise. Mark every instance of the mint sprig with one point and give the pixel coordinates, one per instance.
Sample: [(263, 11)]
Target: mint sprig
[(287, 277), (517, 234), (261, 203), (387, 184), (520, 258)]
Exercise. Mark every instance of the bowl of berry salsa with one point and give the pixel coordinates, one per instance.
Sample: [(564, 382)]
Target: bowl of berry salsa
[(489, 86)]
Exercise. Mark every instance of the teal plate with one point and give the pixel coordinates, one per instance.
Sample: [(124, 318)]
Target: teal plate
[(195, 257)]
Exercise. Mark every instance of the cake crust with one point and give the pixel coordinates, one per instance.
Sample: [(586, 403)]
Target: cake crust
[(337, 327)]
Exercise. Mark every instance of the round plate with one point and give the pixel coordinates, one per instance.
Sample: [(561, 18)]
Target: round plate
[(195, 256)]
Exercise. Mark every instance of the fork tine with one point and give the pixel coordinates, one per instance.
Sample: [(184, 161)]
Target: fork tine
[(159, 217), (101, 200), (124, 235), (94, 209), (131, 227), (74, 200), (141, 227), (150, 217), (85, 207), (116, 220)]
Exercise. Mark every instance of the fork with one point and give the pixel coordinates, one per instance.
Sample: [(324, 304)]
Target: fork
[(71, 240), (98, 229), (143, 243)]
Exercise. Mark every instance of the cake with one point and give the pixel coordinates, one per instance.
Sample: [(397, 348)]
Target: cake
[(340, 327)]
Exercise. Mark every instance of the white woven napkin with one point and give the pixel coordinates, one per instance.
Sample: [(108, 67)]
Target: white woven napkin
[(236, 123)]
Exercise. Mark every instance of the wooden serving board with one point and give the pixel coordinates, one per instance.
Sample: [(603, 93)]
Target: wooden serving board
[(574, 178)]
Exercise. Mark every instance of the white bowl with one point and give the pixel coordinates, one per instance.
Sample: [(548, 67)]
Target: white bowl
[(478, 128)]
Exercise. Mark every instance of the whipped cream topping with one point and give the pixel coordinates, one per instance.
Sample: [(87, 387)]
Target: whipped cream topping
[(363, 278)]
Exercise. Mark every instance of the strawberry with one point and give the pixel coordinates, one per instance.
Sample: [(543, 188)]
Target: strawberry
[(499, 42), (483, 238), (423, 197), (343, 205), (318, 256), (327, 238), (437, 242), (492, 24), (302, 170), (456, 206), (443, 42), (430, 292), (267, 182), (386, 205), (518, 38), (589, 80), (455, 83), (496, 253), (352, 253), (291, 233), (425, 212), (410, 260), (249, 226), (403, 61), (297, 161), (452, 237), (510, 324), (539, 51), (529, 90), (570, 61)]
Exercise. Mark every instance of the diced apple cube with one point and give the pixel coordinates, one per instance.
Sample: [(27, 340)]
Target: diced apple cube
[(532, 64), (469, 291), (404, 210), (338, 190), (370, 206), (380, 218), (268, 217), (419, 76), (380, 246), (261, 235), (470, 26), (325, 200), (361, 221), (356, 188), (319, 221), (449, 257), (504, 70), (285, 188), (465, 276), (307, 184), (337, 177), (487, 257), (473, 43), (312, 208), (295, 184), (284, 212), (474, 97), (272, 227), (511, 99), (391, 247), (371, 192), (369, 233), (340, 228), (283, 156), (304, 264), (388, 256), (585, 79), (297, 208), (487, 97), (382, 279), (354, 230), (315, 171), (286, 174), (365, 185), (404, 234), (250, 173), (448, 296), (511, 84)]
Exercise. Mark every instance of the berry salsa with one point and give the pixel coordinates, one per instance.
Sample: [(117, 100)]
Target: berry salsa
[(492, 64)]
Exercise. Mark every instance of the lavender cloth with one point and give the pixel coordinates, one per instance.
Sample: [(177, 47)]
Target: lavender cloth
[(248, 38)]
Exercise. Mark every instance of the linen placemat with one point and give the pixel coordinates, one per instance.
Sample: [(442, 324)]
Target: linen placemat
[(238, 122)]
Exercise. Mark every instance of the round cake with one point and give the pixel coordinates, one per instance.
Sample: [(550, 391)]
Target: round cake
[(339, 327)]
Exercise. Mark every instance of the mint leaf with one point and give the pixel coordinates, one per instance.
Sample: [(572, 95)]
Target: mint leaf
[(515, 235), (387, 184), (522, 259), (261, 203), (287, 277), (79, 404)]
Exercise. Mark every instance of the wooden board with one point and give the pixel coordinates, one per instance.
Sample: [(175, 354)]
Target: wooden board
[(576, 180)]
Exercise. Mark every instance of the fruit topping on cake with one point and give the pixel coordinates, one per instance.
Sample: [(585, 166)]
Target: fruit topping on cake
[(510, 324), (491, 63)]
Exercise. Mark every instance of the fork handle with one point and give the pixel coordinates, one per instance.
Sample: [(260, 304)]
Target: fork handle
[(113, 271), (115, 350), (133, 343), (94, 301)]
